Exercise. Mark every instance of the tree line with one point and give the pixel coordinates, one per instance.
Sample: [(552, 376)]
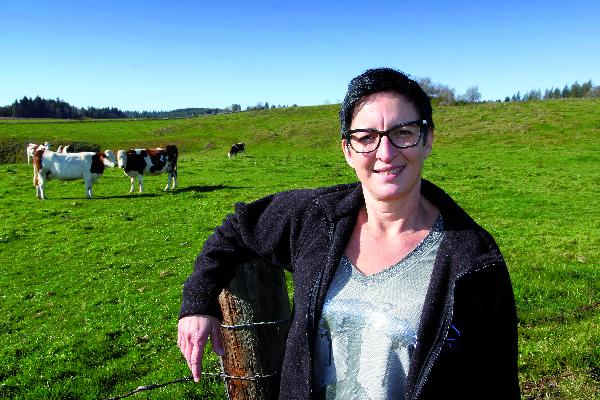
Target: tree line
[(265, 106), (179, 113), (443, 95), (576, 90), (60, 109), (49, 108), (440, 94)]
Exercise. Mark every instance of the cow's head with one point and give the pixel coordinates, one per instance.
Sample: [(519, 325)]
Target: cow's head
[(109, 160), (122, 158)]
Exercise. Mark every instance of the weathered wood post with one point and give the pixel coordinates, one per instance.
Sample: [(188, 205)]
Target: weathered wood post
[(256, 317)]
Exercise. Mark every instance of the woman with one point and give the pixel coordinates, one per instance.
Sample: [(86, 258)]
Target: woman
[(398, 292)]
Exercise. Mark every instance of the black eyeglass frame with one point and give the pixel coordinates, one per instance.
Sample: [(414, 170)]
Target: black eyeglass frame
[(422, 123)]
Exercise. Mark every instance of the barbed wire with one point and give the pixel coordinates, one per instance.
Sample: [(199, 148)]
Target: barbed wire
[(222, 374), (253, 324), (153, 386)]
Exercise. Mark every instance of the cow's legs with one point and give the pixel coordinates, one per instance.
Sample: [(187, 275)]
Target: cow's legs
[(39, 188), (35, 176), (87, 181), (141, 182), (171, 178), (131, 187)]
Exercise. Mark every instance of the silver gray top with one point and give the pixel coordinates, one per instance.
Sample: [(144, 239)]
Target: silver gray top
[(368, 328)]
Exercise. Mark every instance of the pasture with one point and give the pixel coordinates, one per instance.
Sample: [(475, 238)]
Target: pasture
[(90, 289)]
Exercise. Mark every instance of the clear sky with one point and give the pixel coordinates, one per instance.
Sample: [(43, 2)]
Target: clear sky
[(164, 55)]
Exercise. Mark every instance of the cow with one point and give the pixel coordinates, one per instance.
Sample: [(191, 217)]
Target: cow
[(88, 166), (32, 148), (236, 148), (137, 162), (64, 149)]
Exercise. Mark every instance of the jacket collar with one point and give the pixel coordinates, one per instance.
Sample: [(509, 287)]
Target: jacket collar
[(343, 200), (455, 218)]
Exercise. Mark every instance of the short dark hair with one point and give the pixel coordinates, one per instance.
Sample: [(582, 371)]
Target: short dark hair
[(383, 80)]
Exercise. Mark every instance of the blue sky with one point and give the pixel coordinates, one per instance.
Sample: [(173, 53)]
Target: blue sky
[(151, 55)]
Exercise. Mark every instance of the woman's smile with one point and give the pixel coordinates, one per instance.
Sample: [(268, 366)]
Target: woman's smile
[(389, 170)]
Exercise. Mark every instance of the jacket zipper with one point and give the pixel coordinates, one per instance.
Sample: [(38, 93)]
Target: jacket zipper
[(443, 334), (317, 286), (314, 293)]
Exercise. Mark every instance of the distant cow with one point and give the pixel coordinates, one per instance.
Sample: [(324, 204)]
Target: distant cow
[(64, 149), (236, 148), (88, 166), (137, 162), (32, 148)]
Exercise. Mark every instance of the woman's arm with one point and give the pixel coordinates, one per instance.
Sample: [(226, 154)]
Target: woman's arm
[(267, 229)]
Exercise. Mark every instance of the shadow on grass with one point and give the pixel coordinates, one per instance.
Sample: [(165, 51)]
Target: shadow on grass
[(122, 196), (195, 189), (203, 189)]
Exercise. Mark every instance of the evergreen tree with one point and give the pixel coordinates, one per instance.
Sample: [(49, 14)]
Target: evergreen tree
[(575, 90), (556, 94), (586, 88)]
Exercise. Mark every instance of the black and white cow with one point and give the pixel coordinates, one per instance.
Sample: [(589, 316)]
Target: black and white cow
[(88, 166), (236, 148), (137, 162), (64, 149)]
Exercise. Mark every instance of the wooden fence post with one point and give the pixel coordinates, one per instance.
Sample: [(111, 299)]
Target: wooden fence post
[(256, 318)]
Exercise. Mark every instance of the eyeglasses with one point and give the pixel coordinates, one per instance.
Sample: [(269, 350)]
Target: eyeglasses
[(403, 135)]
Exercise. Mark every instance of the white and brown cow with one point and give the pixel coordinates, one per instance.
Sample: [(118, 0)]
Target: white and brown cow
[(137, 162), (32, 148), (88, 166)]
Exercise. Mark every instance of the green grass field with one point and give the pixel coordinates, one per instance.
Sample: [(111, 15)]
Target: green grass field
[(90, 289)]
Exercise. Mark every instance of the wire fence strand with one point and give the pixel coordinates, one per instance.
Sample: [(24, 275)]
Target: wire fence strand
[(222, 374), (225, 377), (153, 386), (253, 324)]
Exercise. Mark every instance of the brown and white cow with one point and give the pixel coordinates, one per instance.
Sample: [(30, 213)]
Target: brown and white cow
[(32, 148), (137, 162), (88, 166)]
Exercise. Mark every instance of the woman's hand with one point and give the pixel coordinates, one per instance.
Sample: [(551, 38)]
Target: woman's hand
[(192, 334)]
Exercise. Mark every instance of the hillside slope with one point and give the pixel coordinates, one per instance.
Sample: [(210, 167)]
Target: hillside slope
[(91, 288)]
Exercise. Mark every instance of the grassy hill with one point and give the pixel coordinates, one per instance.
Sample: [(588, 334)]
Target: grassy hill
[(90, 289)]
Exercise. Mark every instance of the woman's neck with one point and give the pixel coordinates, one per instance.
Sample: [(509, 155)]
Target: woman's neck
[(385, 232), (413, 213)]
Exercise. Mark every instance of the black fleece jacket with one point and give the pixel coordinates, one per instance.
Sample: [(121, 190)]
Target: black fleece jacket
[(467, 336)]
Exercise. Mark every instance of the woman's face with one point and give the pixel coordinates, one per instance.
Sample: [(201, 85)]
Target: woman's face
[(388, 173)]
